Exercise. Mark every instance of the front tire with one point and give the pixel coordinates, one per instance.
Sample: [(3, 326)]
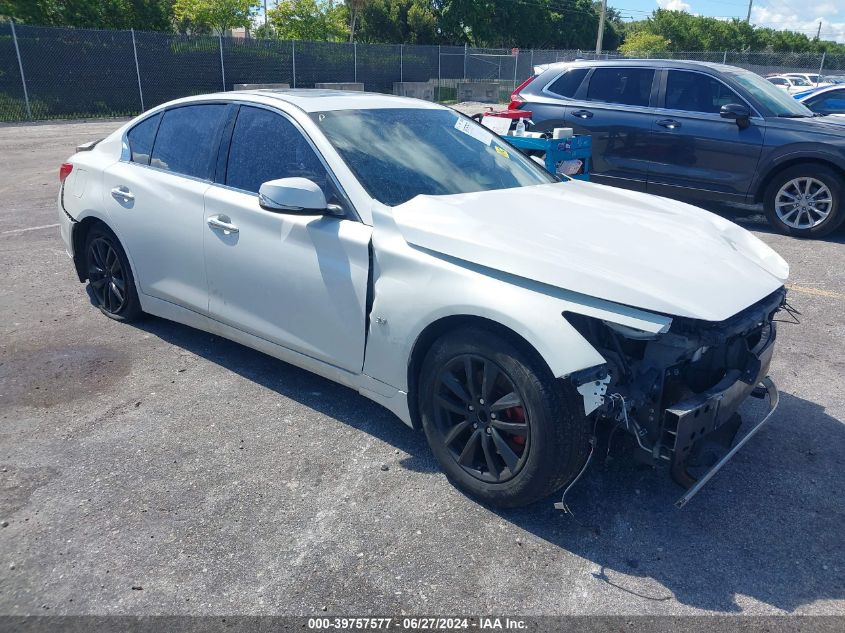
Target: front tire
[(805, 201), (111, 285), (503, 429)]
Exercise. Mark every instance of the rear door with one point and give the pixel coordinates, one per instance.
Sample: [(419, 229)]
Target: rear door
[(697, 153), (299, 281), (155, 200), (614, 107)]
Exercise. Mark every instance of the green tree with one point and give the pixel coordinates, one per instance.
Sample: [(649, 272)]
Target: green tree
[(643, 42), (398, 21), (315, 20), (149, 15), (218, 15)]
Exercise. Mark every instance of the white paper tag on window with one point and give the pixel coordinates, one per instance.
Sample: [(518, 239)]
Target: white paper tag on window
[(470, 128), (499, 125)]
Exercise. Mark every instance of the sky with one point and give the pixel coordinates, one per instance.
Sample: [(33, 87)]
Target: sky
[(794, 15)]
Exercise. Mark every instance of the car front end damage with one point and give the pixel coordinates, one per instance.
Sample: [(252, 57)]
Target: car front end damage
[(677, 392)]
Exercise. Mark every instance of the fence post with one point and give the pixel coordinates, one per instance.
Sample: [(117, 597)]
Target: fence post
[(222, 68), (293, 60), (821, 66), (531, 70), (137, 70), (401, 64), (438, 73), (355, 62), (725, 58), (20, 66), (515, 66), (465, 61)]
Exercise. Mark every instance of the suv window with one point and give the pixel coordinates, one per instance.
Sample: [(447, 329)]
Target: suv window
[(266, 146), (628, 86), (187, 139), (141, 139), (695, 92), (567, 84)]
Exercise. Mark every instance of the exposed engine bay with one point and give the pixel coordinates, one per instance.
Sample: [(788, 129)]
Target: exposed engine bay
[(677, 390)]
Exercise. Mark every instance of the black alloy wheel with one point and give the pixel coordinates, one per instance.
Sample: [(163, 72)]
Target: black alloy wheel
[(111, 285), (480, 415)]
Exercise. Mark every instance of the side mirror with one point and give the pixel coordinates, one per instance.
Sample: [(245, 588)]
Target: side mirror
[(738, 112), (294, 195)]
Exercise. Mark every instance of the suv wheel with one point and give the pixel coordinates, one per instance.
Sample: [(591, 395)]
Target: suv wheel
[(503, 429), (805, 201)]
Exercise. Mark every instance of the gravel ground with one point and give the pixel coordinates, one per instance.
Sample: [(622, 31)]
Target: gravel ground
[(153, 469)]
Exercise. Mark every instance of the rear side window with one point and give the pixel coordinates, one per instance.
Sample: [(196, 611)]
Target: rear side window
[(266, 146), (141, 139), (695, 92), (568, 83), (187, 139), (627, 86)]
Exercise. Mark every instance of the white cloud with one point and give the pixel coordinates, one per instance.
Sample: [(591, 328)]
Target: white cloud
[(674, 5), (832, 29)]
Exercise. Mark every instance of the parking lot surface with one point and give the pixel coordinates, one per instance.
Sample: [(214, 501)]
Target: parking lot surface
[(154, 469)]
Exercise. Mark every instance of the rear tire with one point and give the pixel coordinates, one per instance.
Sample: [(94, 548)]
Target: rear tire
[(503, 429), (805, 200), (111, 285)]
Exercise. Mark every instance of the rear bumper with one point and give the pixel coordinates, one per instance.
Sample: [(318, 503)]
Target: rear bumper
[(65, 223)]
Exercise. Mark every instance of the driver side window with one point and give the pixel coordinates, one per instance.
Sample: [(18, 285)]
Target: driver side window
[(266, 146)]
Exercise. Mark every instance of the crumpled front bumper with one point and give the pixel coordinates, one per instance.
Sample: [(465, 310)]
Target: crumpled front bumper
[(767, 388), (712, 416)]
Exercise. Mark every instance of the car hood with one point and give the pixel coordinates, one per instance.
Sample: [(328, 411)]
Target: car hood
[(626, 247)]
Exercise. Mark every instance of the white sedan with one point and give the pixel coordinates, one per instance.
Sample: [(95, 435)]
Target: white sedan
[(397, 247), (790, 83)]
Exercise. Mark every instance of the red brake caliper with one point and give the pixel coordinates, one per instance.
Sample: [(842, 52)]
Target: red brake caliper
[(516, 414)]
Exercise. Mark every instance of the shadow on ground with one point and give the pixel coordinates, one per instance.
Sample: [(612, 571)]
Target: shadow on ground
[(768, 527)]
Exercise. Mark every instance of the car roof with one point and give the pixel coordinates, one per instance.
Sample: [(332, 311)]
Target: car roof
[(650, 63), (316, 100), (816, 91)]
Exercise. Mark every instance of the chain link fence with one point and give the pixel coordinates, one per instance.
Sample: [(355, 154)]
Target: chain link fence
[(48, 73)]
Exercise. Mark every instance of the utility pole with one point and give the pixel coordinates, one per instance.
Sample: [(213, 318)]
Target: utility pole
[(600, 35), (748, 17), (819, 31)]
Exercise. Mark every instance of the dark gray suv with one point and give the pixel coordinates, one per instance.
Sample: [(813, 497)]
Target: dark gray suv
[(698, 131)]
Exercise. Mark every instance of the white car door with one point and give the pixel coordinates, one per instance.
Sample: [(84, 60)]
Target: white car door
[(155, 200), (299, 281)]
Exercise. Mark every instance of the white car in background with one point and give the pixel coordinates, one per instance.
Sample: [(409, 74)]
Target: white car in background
[(814, 79), (790, 84), (399, 248)]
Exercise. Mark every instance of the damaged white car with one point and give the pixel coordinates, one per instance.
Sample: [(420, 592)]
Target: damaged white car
[(399, 248)]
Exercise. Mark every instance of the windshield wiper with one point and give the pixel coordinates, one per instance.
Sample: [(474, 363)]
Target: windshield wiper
[(793, 116)]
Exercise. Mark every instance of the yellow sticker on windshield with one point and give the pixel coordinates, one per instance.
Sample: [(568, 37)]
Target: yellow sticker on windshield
[(502, 152)]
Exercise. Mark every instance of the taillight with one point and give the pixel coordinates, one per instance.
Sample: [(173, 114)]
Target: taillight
[(64, 171), (517, 101)]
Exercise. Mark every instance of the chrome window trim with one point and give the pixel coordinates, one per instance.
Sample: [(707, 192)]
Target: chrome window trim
[(126, 155)]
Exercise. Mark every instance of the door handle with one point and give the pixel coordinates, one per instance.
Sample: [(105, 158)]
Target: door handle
[(669, 124), (122, 194), (583, 114), (222, 222)]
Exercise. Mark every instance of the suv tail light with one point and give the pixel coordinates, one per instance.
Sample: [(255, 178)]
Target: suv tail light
[(64, 171), (517, 101)]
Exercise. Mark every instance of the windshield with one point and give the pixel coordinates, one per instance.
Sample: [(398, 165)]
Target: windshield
[(777, 101), (401, 153), (799, 81)]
